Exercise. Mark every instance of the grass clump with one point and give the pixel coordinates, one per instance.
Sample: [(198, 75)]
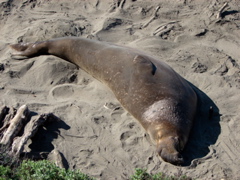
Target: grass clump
[(12, 168), (5, 173), (141, 174), (45, 170), (40, 170)]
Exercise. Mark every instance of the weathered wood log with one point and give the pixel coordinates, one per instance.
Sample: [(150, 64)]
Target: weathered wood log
[(29, 131), (12, 121), (55, 156), (221, 10), (3, 113), (155, 15), (6, 121), (15, 125), (164, 28)]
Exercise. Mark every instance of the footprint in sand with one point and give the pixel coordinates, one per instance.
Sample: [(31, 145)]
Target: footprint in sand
[(129, 139), (99, 120), (64, 92), (124, 136), (117, 111)]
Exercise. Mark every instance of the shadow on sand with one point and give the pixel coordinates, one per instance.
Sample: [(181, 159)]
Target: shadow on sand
[(41, 144), (205, 131)]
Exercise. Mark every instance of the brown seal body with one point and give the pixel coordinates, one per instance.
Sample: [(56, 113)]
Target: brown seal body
[(161, 100)]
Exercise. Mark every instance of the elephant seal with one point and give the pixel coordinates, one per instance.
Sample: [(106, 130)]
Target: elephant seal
[(159, 98)]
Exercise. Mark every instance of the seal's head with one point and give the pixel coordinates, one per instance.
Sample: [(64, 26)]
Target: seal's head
[(166, 124), (169, 142), (169, 148)]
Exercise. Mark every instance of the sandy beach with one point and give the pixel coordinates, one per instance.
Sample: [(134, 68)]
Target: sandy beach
[(96, 134)]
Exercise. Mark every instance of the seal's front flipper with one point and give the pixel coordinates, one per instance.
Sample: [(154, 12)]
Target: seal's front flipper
[(144, 65)]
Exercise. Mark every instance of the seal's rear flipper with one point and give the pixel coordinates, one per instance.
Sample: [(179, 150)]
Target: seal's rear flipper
[(18, 57), (20, 47), (26, 50), (21, 51)]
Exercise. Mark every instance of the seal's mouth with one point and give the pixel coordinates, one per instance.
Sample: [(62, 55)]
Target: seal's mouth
[(173, 158), (169, 150)]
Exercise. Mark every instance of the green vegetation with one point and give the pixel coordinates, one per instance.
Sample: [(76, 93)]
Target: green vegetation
[(45, 170), (40, 170), (141, 174), (12, 168), (5, 173)]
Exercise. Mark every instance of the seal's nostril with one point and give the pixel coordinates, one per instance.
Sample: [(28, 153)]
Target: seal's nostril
[(178, 158)]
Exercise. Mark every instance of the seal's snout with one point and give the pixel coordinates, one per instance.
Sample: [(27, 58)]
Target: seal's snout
[(177, 159), (173, 158), (168, 150)]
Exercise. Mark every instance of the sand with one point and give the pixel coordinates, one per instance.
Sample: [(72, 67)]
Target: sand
[(96, 135)]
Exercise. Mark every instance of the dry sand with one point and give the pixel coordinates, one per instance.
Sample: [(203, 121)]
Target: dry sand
[(96, 135)]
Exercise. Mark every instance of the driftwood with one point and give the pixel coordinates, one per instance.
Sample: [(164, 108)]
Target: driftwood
[(29, 131), (221, 10), (13, 121), (117, 5), (164, 28), (121, 3), (15, 126), (56, 157), (3, 113), (11, 112), (155, 15)]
